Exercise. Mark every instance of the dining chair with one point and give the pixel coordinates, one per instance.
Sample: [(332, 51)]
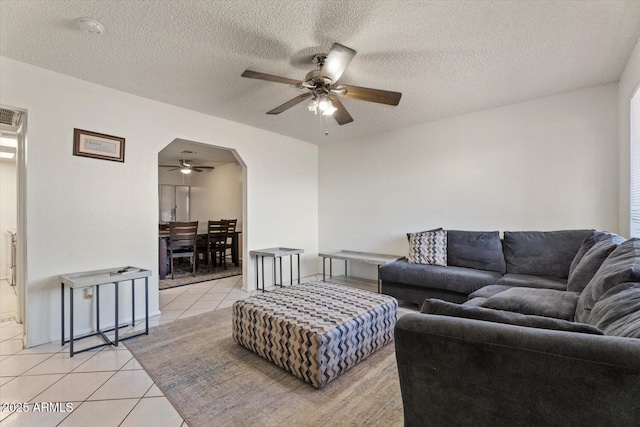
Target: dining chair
[(231, 239), (182, 242), (217, 233)]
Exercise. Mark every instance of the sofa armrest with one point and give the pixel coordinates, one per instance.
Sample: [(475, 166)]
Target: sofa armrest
[(456, 371)]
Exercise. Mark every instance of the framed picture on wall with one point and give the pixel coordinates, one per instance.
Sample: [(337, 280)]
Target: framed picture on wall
[(98, 145)]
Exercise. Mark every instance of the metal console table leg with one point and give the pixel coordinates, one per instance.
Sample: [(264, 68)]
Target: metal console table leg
[(96, 279), (277, 254)]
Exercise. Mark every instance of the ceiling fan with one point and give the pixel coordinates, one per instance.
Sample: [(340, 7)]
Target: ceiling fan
[(186, 167), (321, 85)]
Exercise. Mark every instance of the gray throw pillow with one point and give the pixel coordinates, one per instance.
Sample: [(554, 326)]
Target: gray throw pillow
[(591, 262), (428, 247), (539, 302), (443, 308), (623, 265)]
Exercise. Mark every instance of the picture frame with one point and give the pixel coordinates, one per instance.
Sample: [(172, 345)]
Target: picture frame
[(98, 145)]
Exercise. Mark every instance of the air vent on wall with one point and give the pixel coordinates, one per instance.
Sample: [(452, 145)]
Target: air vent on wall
[(9, 117)]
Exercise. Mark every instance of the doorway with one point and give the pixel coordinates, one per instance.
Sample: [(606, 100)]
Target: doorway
[(12, 214), (201, 182)]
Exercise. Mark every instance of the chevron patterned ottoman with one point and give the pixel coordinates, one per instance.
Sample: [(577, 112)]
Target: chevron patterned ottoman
[(315, 330)]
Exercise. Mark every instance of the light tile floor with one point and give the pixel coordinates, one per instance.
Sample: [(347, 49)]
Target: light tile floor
[(107, 387)]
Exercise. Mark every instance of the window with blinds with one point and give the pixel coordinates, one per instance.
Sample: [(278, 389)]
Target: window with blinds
[(634, 196)]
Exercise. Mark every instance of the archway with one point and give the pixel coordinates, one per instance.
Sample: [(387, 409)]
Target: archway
[(201, 182)]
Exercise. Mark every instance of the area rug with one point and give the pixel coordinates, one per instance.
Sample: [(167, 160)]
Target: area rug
[(212, 380), (184, 276)]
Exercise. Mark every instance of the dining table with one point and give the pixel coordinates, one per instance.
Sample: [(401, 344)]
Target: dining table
[(163, 243)]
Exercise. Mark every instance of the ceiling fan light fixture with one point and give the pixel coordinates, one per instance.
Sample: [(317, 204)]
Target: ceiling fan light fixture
[(185, 171), (328, 111), (313, 106), (321, 104), (324, 103)]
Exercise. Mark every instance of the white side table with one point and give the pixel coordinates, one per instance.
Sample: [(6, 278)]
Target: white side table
[(97, 278), (366, 257), (276, 253)]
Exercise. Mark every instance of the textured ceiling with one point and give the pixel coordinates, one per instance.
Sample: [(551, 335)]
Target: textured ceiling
[(446, 57)]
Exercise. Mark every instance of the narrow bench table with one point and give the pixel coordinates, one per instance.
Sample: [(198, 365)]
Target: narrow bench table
[(97, 278), (315, 330), (366, 257), (276, 253)]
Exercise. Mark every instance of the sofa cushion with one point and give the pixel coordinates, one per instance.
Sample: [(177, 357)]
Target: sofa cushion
[(542, 253), (591, 262), (454, 279), (617, 312), (475, 249), (539, 302), (588, 242), (475, 302), (623, 265), (529, 281), (428, 247), (488, 291), (467, 311)]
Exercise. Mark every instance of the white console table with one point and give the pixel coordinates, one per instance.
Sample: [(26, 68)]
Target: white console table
[(276, 253), (98, 278), (366, 257)]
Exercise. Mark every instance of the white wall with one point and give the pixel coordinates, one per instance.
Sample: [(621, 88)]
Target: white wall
[(85, 214), (627, 86), (217, 194), (8, 211), (545, 164)]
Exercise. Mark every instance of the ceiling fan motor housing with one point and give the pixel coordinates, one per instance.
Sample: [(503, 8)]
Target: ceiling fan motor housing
[(317, 82)]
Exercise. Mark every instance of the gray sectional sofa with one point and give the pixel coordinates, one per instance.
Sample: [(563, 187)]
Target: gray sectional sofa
[(562, 349), (476, 259)]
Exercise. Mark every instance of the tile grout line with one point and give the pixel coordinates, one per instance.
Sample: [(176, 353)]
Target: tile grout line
[(129, 413)]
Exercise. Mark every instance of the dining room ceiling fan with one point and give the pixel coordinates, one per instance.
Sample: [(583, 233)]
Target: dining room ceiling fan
[(322, 87), (186, 166)]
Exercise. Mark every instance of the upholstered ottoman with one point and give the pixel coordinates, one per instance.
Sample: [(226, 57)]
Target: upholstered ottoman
[(315, 330)]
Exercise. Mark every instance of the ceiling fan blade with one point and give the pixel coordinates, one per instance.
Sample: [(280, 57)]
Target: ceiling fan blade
[(270, 78), (167, 166), (370, 95), (341, 114), (203, 167), (197, 169), (295, 101), (337, 60), (174, 169)]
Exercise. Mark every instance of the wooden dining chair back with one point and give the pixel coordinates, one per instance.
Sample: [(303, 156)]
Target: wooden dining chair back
[(217, 233), (231, 240), (182, 242)]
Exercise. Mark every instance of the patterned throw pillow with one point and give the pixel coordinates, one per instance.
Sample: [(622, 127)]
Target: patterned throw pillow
[(428, 247)]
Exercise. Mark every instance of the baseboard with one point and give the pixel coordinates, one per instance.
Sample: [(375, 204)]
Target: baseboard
[(80, 332)]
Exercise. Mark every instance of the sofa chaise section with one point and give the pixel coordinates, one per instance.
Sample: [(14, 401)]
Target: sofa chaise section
[(415, 282)]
